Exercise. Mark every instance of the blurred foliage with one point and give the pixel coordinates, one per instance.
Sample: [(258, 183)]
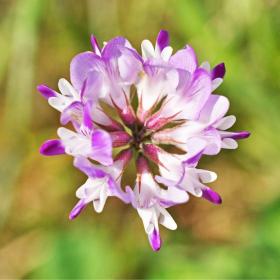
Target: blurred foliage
[(239, 239)]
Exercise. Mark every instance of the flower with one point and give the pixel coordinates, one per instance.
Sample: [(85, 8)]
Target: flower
[(159, 109)]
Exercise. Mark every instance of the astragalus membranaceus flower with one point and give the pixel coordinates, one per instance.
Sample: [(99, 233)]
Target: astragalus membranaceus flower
[(159, 109)]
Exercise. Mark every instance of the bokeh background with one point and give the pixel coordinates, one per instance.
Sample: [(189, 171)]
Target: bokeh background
[(239, 239)]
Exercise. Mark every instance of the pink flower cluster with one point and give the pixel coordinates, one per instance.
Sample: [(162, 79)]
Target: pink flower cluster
[(156, 111)]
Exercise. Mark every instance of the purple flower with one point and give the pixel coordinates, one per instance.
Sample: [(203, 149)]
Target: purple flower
[(158, 108)]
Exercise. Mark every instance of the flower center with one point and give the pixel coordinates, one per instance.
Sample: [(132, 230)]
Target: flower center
[(138, 136), (134, 129)]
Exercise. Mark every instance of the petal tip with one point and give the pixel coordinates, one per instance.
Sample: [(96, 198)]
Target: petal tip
[(218, 71), (45, 91), (162, 39), (51, 148), (155, 240), (246, 134), (78, 208), (211, 196)]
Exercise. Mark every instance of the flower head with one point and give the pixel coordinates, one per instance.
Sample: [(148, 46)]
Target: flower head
[(159, 109)]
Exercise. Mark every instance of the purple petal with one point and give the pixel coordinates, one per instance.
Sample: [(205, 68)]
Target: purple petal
[(218, 71), (185, 59), (88, 168), (155, 240), (95, 45), (101, 147), (196, 93), (129, 65), (92, 86), (212, 196), (52, 147), (46, 91), (238, 135), (80, 67), (162, 39), (87, 121), (78, 208), (112, 48), (83, 89)]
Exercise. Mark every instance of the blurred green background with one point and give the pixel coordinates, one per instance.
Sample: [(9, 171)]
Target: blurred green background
[(239, 239)]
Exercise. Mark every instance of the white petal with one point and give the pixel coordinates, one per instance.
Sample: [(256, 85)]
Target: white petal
[(59, 102), (174, 195), (150, 191), (216, 83), (172, 169), (229, 143), (206, 176), (226, 122), (191, 183), (99, 202), (180, 135), (166, 53), (63, 132), (166, 220), (152, 88), (206, 65), (67, 89), (172, 77), (80, 193), (146, 215), (148, 50), (75, 144)]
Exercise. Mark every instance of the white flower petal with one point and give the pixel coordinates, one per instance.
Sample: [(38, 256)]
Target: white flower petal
[(216, 83), (146, 215), (206, 176), (148, 50), (166, 220), (226, 122), (206, 65), (166, 53), (100, 201), (67, 89), (228, 143), (74, 143), (59, 102)]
